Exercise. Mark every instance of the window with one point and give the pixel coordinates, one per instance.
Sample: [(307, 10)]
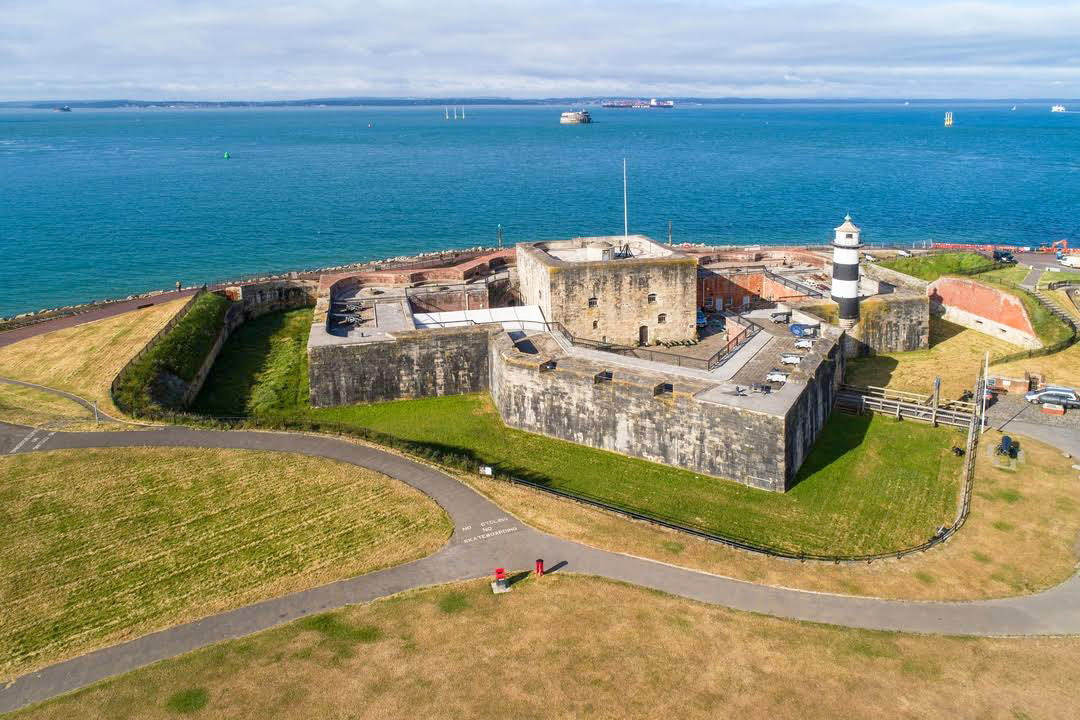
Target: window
[(652, 298), (663, 389), (661, 318), (592, 302), (850, 236), (708, 303), (603, 376), (595, 324)]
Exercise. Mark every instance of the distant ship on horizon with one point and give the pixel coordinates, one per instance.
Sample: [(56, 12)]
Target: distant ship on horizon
[(1057, 108), (638, 104)]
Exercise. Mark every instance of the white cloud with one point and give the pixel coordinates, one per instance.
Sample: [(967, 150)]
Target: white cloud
[(271, 49)]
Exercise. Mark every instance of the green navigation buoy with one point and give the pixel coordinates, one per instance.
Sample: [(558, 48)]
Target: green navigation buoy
[(226, 154)]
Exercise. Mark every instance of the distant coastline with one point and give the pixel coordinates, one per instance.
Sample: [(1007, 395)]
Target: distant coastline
[(498, 101)]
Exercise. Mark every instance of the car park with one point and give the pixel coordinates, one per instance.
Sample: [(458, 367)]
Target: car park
[(1054, 395)]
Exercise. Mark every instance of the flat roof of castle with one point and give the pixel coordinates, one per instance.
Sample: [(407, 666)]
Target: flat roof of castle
[(602, 248)]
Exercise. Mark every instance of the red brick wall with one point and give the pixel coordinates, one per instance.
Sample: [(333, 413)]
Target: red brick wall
[(982, 300)]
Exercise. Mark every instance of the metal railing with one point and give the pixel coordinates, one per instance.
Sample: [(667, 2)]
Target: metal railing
[(794, 284)]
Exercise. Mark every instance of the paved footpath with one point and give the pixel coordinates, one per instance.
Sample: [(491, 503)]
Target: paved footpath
[(10, 337), (486, 537)]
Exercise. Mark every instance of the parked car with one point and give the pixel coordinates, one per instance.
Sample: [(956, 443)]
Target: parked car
[(800, 330), (1066, 397), (1072, 261), (869, 258), (903, 253), (702, 321), (1004, 256), (781, 317)]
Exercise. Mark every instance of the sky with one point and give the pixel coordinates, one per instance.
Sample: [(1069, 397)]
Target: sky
[(268, 50)]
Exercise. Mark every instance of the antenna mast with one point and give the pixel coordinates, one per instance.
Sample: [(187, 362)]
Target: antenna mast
[(625, 214)]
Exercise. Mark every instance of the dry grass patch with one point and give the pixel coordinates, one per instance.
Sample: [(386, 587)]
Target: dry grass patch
[(1040, 504), (98, 546), (36, 408), (85, 358), (1062, 368), (955, 355), (568, 646)]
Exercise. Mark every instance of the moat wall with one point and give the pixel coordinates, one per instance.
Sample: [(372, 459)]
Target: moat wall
[(625, 416), (888, 324), (415, 363)]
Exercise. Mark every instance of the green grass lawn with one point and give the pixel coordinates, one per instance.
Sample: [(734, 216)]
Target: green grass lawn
[(852, 496), (931, 267)]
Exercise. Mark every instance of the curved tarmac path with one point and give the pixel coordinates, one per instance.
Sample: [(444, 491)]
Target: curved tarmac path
[(486, 537)]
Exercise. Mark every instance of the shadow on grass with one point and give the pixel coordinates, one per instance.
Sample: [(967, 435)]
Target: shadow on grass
[(942, 330), (841, 435), (233, 376), (871, 370)]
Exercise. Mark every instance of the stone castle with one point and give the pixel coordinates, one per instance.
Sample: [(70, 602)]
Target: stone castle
[(664, 353)]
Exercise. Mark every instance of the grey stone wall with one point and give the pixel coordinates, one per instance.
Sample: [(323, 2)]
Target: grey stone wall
[(273, 296), (415, 363), (808, 415), (621, 289), (624, 416), (890, 323)]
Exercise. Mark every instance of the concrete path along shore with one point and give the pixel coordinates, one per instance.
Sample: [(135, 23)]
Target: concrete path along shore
[(486, 537)]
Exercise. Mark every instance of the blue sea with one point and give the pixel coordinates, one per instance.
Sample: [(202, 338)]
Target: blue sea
[(103, 203)]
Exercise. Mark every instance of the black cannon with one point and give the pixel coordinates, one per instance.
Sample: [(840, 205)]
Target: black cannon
[(1006, 447)]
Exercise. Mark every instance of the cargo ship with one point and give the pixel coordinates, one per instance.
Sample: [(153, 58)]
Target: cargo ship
[(638, 104), (575, 117)]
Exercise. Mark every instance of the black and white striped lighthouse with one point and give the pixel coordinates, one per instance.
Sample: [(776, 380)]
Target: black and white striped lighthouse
[(845, 272)]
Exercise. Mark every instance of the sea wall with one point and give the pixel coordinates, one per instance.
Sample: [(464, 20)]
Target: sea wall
[(984, 308), (413, 363)]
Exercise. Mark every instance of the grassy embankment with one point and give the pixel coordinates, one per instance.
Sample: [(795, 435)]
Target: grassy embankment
[(1047, 327), (955, 355), (85, 358), (567, 646), (147, 538), (37, 408), (931, 267), (852, 497), (181, 352)]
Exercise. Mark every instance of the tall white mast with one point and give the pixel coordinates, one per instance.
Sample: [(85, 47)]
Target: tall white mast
[(455, 112), (462, 112), (625, 213), (446, 113)]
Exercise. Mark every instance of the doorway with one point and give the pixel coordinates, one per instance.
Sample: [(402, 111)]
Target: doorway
[(643, 335)]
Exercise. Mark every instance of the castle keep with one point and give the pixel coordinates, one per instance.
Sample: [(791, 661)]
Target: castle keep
[(622, 290)]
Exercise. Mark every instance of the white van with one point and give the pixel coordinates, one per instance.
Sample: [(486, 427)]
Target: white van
[(1071, 261)]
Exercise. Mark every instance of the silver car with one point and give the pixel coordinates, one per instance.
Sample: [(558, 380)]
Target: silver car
[(1066, 397)]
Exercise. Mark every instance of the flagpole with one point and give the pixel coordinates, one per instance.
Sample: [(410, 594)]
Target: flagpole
[(625, 214)]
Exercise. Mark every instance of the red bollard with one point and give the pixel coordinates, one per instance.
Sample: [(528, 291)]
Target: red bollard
[(540, 566)]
